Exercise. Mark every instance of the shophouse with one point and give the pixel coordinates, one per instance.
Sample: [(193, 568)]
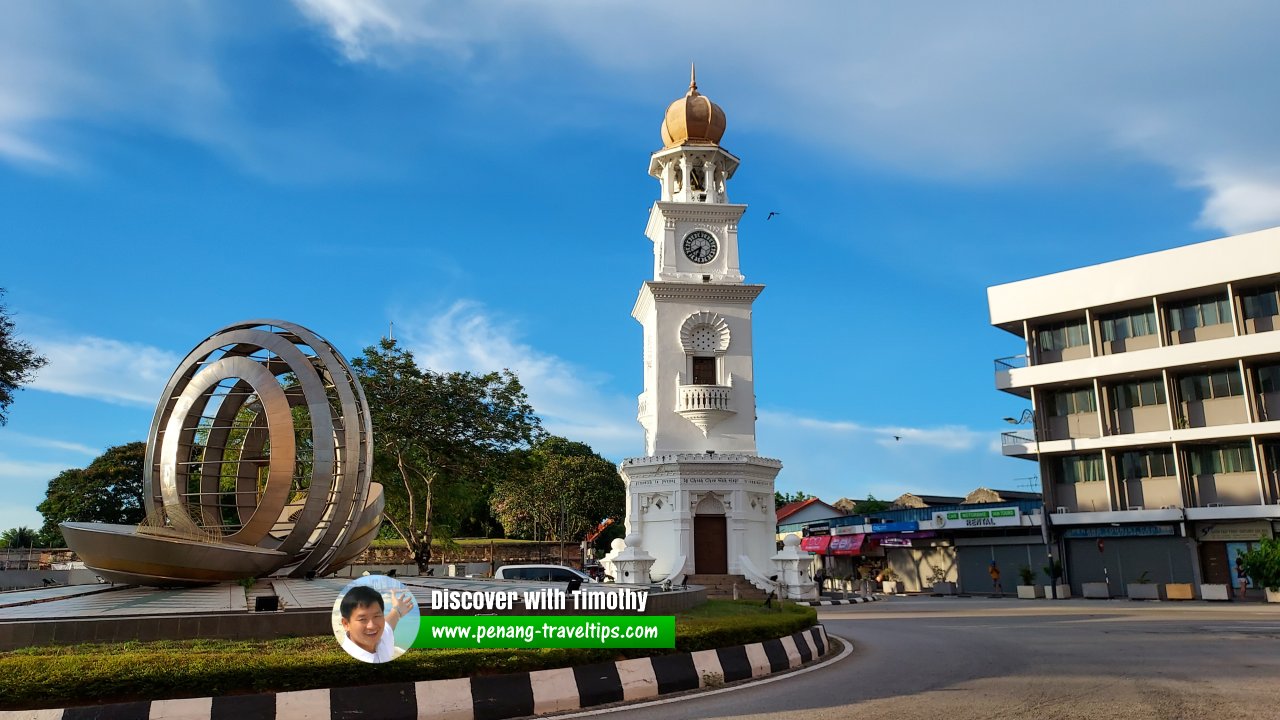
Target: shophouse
[(951, 542), (1153, 386)]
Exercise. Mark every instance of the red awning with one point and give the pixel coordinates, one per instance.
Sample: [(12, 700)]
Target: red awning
[(847, 544), (815, 543)]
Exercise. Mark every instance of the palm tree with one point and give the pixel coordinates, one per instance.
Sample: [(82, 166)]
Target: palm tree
[(19, 537)]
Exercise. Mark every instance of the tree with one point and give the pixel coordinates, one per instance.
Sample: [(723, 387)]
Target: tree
[(18, 362), (439, 439), (781, 498), (109, 490), (19, 537), (871, 505), (560, 492)]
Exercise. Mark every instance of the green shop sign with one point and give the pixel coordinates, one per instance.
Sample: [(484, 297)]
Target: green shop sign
[(976, 519)]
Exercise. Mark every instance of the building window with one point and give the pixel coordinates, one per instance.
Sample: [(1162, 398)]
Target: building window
[(1126, 325), (1259, 302), (1063, 335), (1199, 313), (1138, 394), (1071, 402), (1269, 379), (1214, 460), (1080, 468), (1146, 463), (704, 371), (1219, 384)]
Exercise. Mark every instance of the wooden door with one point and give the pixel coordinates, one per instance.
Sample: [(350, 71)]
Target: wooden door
[(710, 545)]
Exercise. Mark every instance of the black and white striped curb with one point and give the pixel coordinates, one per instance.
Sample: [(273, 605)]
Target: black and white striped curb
[(481, 698), (847, 601)]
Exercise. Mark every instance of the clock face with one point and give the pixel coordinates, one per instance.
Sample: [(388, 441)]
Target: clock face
[(700, 246)]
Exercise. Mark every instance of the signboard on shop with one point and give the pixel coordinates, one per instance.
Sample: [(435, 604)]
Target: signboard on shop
[(1120, 531), (909, 526), (976, 519), (895, 542), (1233, 532)]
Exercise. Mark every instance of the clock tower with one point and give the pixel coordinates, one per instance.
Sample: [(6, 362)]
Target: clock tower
[(701, 500)]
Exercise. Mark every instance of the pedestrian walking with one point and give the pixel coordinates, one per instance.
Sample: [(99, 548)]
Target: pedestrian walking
[(994, 572)]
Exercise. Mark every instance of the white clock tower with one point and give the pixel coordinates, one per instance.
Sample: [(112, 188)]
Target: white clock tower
[(701, 500)]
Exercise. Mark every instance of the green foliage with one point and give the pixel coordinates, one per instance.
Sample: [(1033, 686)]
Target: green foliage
[(1144, 578), (109, 490), (1053, 570), (18, 361), (781, 498), (1262, 564), (871, 505), (1027, 574), (441, 440), (64, 675), (19, 537), (559, 491)]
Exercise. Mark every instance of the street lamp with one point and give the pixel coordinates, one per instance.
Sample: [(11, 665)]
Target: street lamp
[(1028, 417)]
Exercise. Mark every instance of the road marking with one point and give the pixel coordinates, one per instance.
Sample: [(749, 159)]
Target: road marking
[(848, 650)]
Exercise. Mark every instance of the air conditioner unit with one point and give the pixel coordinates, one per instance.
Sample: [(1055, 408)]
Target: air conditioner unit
[(1135, 507), (1062, 510)]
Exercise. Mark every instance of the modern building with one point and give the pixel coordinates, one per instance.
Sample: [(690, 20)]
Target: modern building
[(701, 500), (1154, 391)]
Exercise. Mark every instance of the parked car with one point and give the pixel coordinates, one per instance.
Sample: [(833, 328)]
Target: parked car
[(544, 573)]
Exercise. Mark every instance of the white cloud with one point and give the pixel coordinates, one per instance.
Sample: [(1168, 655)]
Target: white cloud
[(947, 437), (32, 441), (958, 91), (105, 369), (572, 400)]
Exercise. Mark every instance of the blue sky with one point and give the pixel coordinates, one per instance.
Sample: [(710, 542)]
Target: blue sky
[(476, 174)]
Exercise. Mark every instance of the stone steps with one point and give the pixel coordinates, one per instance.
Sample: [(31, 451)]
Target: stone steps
[(721, 586)]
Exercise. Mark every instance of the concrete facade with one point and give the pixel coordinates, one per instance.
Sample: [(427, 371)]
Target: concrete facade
[(1153, 383), (701, 499)]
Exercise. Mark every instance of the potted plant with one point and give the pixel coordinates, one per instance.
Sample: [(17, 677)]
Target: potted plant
[(938, 577), (1028, 590), (1056, 588), (889, 581), (1142, 588), (1262, 565)]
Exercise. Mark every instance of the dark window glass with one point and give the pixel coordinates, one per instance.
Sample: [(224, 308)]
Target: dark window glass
[(704, 371)]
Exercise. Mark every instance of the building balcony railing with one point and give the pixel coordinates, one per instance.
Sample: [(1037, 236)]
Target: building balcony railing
[(705, 397), (1018, 437), (705, 405), (1013, 362)]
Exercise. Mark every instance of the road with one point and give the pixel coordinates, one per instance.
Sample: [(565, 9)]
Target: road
[(960, 658)]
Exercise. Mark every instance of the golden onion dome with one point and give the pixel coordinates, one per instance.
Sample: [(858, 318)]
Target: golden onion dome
[(693, 119)]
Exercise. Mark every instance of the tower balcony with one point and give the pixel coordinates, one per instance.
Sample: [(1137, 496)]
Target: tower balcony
[(705, 405)]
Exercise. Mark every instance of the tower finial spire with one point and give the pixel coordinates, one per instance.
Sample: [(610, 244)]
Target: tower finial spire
[(693, 79)]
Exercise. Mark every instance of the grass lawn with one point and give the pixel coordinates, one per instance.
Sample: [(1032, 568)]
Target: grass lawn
[(61, 676)]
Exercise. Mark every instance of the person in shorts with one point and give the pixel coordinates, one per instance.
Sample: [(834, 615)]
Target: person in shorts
[(369, 631), (994, 572), (1242, 578)]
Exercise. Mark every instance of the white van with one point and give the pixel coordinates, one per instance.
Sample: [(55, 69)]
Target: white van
[(543, 573)]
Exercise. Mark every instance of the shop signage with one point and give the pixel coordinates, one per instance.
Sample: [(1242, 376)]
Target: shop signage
[(991, 517), (817, 529), (1233, 532), (895, 542), (910, 526), (847, 530), (1121, 531)]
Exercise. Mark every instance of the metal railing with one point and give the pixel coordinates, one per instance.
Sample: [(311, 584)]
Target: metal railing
[(1018, 437), (1012, 362)]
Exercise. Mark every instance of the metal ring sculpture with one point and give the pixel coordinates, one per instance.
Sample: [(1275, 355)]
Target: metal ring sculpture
[(257, 463)]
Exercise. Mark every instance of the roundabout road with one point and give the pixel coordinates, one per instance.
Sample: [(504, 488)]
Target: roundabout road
[(962, 658)]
